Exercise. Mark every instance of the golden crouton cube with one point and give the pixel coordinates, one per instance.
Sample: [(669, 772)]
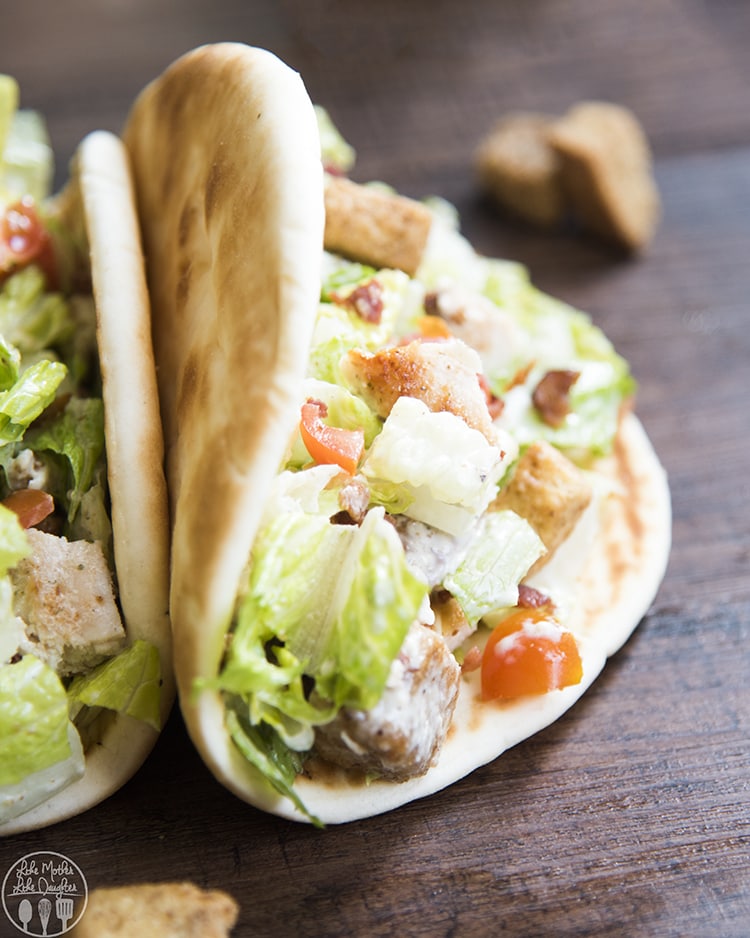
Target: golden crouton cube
[(550, 492), (517, 166), (606, 172), (373, 226), (157, 910)]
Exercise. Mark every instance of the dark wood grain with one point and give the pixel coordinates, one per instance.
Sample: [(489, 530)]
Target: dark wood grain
[(631, 815)]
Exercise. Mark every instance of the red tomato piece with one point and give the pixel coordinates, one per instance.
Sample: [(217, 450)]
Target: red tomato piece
[(529, 653), (31, 506), (24, 240), (329, 445)]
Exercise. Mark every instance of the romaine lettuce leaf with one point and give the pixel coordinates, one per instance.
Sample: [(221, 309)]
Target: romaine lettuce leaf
[(33, 719), (498, 558), (448, 470), (129, 683), (34, 391), (78, 435), (296, 619), (31, 318)]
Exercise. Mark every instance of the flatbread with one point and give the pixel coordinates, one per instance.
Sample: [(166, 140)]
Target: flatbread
[(231, 207), (101, 190), (230, 194)]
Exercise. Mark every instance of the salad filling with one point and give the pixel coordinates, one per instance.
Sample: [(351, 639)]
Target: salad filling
[(65, 659), (450, 420)]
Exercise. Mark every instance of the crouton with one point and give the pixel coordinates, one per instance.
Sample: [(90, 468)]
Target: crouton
[(372, 226), (550, 492), (157, 910), (63, 592), (517, 166), (606, 172)]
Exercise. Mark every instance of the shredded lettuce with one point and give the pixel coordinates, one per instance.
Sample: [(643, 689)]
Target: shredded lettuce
[(449, 470), (129, 684), (297, 622), (499, 557), (335, 152), (33, 719), (78, 435)]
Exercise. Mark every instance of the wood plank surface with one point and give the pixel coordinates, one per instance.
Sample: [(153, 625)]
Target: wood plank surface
[(631, 815)]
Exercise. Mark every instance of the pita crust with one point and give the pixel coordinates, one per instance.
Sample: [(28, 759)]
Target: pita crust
[(134, 462)]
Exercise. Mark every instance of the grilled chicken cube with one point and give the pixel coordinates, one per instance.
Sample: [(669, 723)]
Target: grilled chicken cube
[(550, 492), (443, 375), (400, 737), (63, 593)]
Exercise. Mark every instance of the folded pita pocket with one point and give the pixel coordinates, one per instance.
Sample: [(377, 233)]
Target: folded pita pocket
[(260, 337), (98, 206)]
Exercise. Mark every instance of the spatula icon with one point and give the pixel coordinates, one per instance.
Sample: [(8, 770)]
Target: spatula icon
[(64, 910)]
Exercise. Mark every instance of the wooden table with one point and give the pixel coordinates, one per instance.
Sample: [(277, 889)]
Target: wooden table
[(631, 815)]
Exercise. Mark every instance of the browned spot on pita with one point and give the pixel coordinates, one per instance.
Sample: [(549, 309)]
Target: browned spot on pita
[(188, 386), (183, 281), (186, 223)]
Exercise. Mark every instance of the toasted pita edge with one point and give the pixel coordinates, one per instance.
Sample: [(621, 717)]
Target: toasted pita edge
[(134, 461)]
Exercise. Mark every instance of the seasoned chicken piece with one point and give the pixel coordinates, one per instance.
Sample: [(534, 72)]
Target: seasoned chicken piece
[(443, 375), (550, 492), (63, 593), (158, 910), (401, 736), (375, 227)]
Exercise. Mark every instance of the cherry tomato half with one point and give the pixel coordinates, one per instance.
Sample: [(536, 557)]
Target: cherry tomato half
[(529, 653), (24, 240), (329, 445)]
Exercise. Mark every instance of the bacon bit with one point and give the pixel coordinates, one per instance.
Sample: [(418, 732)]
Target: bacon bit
[(31, 505), (551, 396), (431, 303), (472, 659), (495, 404), (531, 598), (366, 300)]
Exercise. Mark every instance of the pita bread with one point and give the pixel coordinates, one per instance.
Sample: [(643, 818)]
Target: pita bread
[(230, 194), (101, 191)]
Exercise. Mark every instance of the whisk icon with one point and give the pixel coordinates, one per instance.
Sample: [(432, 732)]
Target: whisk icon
[(44, 907)]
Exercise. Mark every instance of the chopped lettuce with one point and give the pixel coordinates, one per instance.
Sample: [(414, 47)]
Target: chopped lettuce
[(129, 684), (29, 397), (78, 435), (33, 719), (449, 470), (296, 621), (26, 161), (265, 749), (9, 94), (497, 560), (336, 153), (31, 318)]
